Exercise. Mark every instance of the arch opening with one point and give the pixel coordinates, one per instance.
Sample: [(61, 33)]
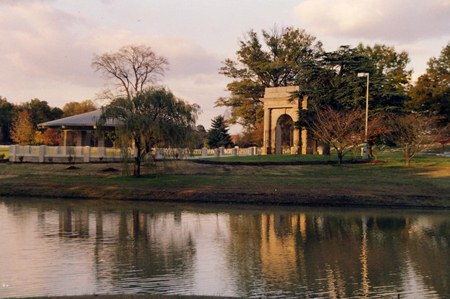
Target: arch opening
[(284, 134)]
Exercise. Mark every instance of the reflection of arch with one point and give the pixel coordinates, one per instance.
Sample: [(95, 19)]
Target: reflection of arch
[(284, 134), (281, 107)]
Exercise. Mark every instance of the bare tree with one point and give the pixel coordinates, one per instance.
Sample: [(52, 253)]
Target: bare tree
[(133, 68), (413, 133), (341, 130)]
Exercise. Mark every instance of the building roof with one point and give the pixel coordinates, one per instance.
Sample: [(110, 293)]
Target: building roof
[(88, 119)]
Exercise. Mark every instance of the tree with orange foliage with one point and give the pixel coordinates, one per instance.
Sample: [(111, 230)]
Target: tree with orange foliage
[(22, 129)]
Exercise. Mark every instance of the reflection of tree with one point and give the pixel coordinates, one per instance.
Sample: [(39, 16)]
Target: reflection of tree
[(150, 245), (332, 255), (428, 246), (300, 254), (129, 243), (243, 252)]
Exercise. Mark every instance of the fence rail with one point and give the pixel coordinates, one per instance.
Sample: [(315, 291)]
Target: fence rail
[(87, 154)]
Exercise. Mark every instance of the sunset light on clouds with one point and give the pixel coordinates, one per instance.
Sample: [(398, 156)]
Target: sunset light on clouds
[(47, 45)]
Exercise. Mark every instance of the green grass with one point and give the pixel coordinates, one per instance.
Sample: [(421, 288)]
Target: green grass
[(281, 158), (427, 180)]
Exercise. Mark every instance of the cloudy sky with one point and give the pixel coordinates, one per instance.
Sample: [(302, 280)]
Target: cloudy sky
[(46, 46)]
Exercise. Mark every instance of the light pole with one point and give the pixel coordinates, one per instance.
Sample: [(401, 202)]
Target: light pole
[(365, 146)]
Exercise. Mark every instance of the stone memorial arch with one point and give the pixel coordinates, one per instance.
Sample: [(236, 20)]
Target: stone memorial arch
[(280, 114)]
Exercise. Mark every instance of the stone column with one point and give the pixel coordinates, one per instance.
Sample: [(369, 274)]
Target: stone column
[(221, 151), (296, 141), (267, 132)]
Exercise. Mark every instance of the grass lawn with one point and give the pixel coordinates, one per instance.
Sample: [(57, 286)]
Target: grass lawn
[(387, 183)]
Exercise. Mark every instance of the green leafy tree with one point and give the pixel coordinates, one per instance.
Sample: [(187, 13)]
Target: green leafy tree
[(6, 116), (200, 137), (40, 111), (268, 62), (218, 134), (74, 108), (332, 80), (153, 117), (389, 77), (431, 93)]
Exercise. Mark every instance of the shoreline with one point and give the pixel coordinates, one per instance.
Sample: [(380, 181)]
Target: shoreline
[(328, 185), (237, 198)]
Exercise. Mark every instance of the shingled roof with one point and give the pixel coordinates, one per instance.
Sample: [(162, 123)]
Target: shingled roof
[(88, 119)]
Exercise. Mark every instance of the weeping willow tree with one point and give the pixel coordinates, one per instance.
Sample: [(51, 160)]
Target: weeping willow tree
[(152, 117)]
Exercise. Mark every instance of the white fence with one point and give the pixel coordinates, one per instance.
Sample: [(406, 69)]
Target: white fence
[(87, 154)]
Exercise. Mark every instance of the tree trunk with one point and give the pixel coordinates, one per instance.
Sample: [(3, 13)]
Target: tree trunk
[(407, 156), (137, 166), (137, 159), (340, 156)]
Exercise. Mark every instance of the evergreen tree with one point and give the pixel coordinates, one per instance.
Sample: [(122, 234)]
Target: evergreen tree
[(218, 134)]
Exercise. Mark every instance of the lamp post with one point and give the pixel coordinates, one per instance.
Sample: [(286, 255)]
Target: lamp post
[(365, 154)]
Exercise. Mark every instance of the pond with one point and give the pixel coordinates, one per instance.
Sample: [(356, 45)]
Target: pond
[(65, 247)]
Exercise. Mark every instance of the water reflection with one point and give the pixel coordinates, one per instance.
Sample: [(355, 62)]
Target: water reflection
[(82, 247)]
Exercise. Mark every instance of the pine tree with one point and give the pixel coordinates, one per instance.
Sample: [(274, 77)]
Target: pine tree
[(218, 134)]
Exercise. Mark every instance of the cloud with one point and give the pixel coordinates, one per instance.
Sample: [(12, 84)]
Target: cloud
[(394, 20), (42, 44), (47, 53)]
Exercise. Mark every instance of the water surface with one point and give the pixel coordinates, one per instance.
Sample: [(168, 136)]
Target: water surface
[(80, 247)]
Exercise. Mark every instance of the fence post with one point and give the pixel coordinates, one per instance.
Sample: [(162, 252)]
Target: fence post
[(101, 152), (204, 152), (234, 151), (216, 153), (27, 150), (41, 157), (159, 154), (87, 154), (221, 151), (13, 153)]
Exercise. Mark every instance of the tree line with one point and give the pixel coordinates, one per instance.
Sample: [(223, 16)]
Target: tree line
[(19, 122), (149, 115), (335, 93)]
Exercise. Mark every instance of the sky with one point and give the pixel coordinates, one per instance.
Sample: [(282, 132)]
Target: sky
[(47, 46)]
